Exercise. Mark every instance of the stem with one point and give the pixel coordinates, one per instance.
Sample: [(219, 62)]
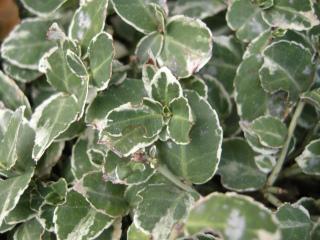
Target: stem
[(275, 190), (272, 199), (170, 176), (275, 172)]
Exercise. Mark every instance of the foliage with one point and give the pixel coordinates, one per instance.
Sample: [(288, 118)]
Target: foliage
[(155, 119)]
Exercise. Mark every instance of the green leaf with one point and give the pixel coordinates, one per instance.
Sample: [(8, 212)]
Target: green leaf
[(198, 9), (165, 87), (59, 75), (51, 118), (233, 217), (88, 21), (131, 90), (22, 211), (245, 18), (181, 121), (296, 15), (257, 45), (187, 46), (27, 43), (126, 171), (129, 142), (53, 193), (218, 97), (270, 131), (12, 96), (227, 55), (287, 66), (127, 116), (149, 47), (250, 104), (135, 233), (20, 74), (30, 230), (51, 156), (295, 222), (309, 159), (198, 161), (101, 54), (42, 8), (104, 196), (237, 167), (9, 142), (197, 84), (144, 15), (172, 204), (265, 163), (80, 158), (312, 97), (11, 191), (76, 219)]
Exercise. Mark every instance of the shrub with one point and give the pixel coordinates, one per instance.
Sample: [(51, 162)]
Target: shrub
[(148, 119)]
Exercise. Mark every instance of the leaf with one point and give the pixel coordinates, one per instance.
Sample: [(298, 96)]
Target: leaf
[(129, 142), (131, 90), (12, 96), (104, 196), (59, 74), (149, 47), (294, 221), (245, 18), (49, 159), (20, 74), (42, 8), (257, 45), (198, 9), (144, 15), (53, 193), (172, 204), (127, 116), (88, 21), (270, 131), (11, 191), (101, 54), (196, 162), (197, 84), (29, 230), (227, 52), (218, 97), (265, 163), (182, 54), (165, 87), (250, 104), (80, 158), (287, 66), (9, 142), (76, 219), (135, 233), (312, 97), (237, 167), (52, 118), (27, 43), (22, 211), (233, 216), (126, 171), (294, 15), (181, 121), (309, 159)]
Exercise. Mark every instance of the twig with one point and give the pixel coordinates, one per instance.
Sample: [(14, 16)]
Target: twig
[(275, 172)]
